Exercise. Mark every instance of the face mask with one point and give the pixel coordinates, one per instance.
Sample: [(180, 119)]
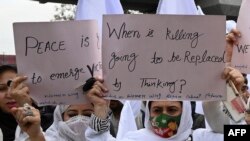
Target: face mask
[(74, 128), (165, 125), (78, 123)]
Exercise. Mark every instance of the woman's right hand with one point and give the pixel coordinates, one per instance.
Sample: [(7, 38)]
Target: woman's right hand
[(28, 118), (231, 40), (96, 96)]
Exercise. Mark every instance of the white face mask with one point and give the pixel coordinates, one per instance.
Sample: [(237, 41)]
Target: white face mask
[(74, 128)]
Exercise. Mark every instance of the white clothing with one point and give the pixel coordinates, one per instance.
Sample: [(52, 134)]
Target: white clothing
[(214, 115), (199, 12), (95, 9), (177, 7), (63, 131), (207, 135), (127, 119), (1, 135), (52, 133), (230, 24), (22, 136)]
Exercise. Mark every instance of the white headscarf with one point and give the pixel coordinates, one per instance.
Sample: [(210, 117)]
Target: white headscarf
[(177, 7), (127, 118), (52, 133), (200, 12), (147, 134), (95, 9)]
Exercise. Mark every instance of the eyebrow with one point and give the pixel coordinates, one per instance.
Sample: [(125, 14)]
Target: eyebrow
[(71, 110), (87, 110), (157, 107), (173, 106)]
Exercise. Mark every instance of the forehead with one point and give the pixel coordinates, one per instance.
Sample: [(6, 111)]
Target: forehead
[(165, 103), (80, 107), (5, 76)]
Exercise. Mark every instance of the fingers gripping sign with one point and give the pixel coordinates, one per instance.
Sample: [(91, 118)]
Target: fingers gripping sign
[(18, 90)]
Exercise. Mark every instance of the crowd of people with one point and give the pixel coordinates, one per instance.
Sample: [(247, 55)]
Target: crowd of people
[(98, 120), (113, 120)]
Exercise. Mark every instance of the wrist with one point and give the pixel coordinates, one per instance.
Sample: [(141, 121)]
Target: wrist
[(100, 125), (228, 64), (37, 137), (101, 111)]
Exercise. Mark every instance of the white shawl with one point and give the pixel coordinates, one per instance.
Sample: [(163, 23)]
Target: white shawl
[(177, 7), (95, 9), (207, 135), (52, 133)]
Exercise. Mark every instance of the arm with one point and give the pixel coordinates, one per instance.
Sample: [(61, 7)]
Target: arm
[(100, 119), (96, 97)]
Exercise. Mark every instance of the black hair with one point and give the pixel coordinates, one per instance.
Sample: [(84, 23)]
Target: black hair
[(4, 68)]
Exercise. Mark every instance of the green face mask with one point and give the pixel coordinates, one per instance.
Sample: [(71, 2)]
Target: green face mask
[(165, 125)]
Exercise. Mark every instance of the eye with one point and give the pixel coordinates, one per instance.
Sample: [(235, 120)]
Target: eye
[(87, 113), (157, 110), (172, 110), (72, 113)]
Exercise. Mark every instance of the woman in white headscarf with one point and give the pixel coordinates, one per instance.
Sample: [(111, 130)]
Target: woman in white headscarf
[(70, 123), (165, 121)]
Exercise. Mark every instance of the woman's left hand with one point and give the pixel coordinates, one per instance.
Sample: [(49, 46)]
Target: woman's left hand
[(20, 91), (235, 76)]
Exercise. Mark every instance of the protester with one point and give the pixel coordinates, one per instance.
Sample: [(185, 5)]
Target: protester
[(14, 93), (70, 123), (175, 116), (8, 123), (183, 132), (232, 40)]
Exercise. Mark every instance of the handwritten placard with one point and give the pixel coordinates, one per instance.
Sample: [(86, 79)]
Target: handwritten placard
[(57, 57), (156, 57), (241, 53)]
